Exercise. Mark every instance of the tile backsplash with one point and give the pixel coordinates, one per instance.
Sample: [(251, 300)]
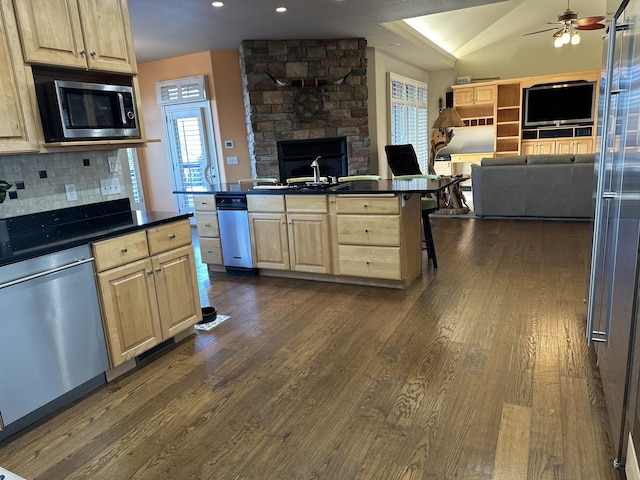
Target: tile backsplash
[(44, 177)]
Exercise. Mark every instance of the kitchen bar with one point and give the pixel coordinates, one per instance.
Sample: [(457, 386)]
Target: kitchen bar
[(363, 232)]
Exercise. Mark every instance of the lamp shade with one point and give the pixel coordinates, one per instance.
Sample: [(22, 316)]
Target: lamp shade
[(448, 118)]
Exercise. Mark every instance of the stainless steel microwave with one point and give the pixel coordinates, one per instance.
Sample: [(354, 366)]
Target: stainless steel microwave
[(86, 111)]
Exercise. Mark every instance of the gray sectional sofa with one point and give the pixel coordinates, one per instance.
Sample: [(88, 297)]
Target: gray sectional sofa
[(555, 186)]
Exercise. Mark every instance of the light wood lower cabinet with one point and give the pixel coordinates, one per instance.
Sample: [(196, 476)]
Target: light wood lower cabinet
[(557, 146), (208, 230), (379, 237), (269, 240), (309, 249), (370, 237), (146, 301), (296, 238)]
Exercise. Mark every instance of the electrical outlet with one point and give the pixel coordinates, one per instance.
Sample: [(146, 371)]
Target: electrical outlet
[(70, 189), (232, 160), (109, 186), (113, 164)]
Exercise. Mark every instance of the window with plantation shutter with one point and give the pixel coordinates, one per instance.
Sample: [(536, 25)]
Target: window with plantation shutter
[(408, 112), (190, 89)]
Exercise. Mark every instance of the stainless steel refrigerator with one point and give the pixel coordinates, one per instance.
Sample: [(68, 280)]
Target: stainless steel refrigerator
[(613, 285)]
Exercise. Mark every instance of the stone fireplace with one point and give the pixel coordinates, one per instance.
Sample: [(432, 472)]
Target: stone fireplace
[(315, 102)]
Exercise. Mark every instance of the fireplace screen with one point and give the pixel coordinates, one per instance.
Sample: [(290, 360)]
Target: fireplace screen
[(295, 157)]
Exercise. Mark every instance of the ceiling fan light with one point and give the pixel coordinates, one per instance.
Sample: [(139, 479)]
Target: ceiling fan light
[(558, 42), (575, 39), (566, 38)]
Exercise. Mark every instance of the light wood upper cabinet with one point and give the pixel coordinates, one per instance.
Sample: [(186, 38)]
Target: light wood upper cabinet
[(474, 95), (18, 131), (89, 34)]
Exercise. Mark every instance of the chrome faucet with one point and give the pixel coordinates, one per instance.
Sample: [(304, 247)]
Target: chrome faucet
[(316, 170)]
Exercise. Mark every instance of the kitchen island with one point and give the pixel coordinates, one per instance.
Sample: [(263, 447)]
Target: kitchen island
[(362, 232)]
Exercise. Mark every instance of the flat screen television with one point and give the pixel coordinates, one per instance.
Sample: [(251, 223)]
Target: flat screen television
[(571, 103)]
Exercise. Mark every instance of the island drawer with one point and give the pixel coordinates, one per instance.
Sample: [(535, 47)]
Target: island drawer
[(169, 236), (368, 205), (121, 250), (265, 203), (211, 251), (307, 203), (381, 230), (207, 224), (204, 203), (370, 262)]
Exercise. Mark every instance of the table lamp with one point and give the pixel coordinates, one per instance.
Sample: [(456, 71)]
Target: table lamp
[(443, 133)]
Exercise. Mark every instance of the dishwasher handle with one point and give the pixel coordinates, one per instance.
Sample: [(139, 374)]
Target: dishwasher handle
[(46, 272)]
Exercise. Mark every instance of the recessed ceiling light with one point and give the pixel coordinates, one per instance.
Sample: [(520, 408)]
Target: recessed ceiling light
[(281, 9), (217, 4)]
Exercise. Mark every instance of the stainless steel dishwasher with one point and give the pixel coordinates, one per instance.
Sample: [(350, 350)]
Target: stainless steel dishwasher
[(51, 336), (233, 220)]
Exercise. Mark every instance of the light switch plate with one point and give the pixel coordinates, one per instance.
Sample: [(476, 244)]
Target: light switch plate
[(113, 164), (109, 186), (70, 189)]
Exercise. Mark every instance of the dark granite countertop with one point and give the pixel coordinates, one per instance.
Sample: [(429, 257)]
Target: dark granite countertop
[(351, 187), (29, 236)]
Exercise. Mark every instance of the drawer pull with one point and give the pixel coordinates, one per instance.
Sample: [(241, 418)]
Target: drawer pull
[(366, 230), (172, 236), (124, 250)]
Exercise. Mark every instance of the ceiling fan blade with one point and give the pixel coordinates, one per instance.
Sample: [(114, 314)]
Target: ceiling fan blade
[(590, 26), (588, 21), (539, 31)]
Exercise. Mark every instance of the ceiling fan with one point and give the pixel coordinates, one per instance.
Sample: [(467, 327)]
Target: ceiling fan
[(568, 26)]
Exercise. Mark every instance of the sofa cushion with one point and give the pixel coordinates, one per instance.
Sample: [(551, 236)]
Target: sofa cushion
[(508, 160), (585, 158), (547, 159)]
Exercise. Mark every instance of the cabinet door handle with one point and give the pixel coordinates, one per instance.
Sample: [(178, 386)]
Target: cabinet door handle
[(82, 53), (93, 54), (149, 272), (366, 230), (207, 224), (124, 250), (172, 236), (158, 269)]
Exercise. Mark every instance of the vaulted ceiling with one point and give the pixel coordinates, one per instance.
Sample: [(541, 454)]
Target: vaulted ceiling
[(166, 28)]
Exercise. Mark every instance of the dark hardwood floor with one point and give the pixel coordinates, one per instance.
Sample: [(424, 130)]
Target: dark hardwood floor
[(479, 370)]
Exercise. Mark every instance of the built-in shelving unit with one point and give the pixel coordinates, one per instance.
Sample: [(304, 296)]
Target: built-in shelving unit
[(499, 104), (508, 101)]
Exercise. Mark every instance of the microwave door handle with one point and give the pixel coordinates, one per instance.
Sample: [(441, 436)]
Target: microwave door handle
[(123, 115)]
